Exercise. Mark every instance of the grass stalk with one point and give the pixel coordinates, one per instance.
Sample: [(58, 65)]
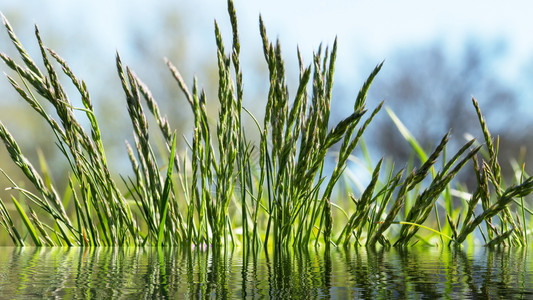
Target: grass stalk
[(226, 190)]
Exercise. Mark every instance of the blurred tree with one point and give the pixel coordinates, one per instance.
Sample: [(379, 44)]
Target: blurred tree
[(430, 90)]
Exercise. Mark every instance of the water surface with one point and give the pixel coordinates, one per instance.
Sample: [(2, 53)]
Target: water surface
[(145, 273)]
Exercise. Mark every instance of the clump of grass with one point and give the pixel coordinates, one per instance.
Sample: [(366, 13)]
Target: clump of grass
[(284, 199)]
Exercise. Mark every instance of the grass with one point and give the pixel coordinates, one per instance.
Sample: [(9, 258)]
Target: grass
[(228, 190)]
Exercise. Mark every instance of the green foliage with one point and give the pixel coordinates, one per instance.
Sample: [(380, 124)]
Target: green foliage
[(229, 191)]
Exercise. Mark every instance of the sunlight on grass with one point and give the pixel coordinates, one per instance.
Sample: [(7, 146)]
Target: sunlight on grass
[(228, 191)]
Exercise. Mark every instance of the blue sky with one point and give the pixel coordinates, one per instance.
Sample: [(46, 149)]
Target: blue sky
[(375, 28)]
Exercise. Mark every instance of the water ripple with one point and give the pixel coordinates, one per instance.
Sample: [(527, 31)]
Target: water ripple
[(145, 273)]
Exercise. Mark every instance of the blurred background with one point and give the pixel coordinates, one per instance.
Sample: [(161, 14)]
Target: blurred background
[(437, 56)]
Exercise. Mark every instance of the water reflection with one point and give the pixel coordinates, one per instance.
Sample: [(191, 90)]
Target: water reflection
[(356, 273)]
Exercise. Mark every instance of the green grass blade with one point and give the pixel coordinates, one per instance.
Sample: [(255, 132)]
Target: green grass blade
[(29, 226), (9, 226), (165, 198), (425, 227), (407, 135)]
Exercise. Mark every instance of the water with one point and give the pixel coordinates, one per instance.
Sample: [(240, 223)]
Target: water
[(130, 273)]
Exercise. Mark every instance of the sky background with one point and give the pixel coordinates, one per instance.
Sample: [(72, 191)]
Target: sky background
[(367, 30)]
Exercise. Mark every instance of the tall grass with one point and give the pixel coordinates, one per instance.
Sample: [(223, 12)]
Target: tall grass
[(231, 191)]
